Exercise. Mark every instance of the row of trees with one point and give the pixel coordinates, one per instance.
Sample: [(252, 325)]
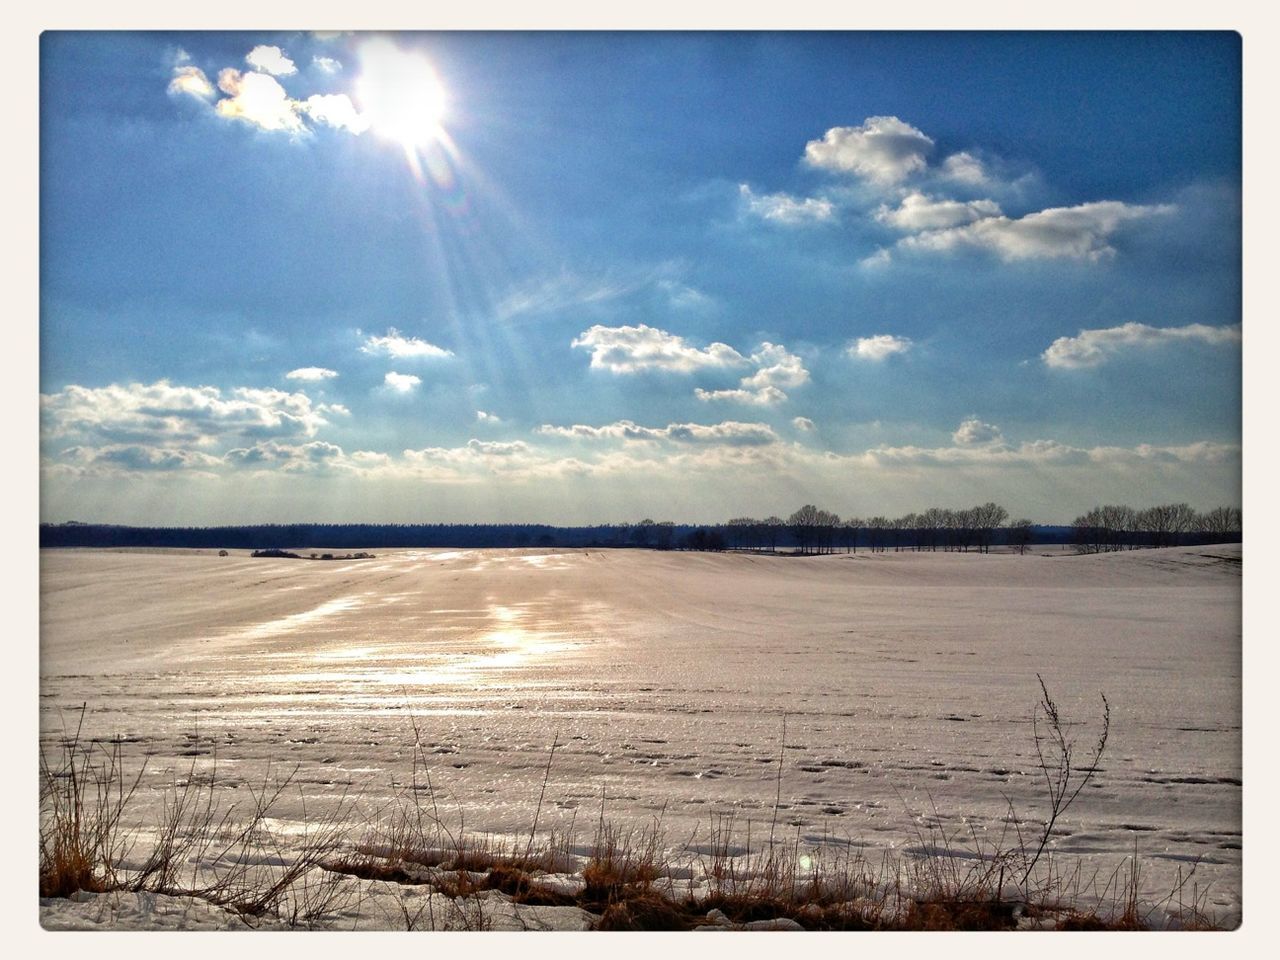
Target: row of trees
[(809, 530), (814, 530), (1119, 527)]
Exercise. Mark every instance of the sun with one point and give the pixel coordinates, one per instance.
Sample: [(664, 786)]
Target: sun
[(399, 94)]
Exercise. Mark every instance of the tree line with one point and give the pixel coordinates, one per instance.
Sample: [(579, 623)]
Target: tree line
[(1119, 527), (812, 529), (809, 530)]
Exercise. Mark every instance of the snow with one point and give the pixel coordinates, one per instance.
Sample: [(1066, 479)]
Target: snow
[(906, 680), (367, 906)]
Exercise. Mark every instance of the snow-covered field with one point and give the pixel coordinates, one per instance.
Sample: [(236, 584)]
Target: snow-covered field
[(907, 682)]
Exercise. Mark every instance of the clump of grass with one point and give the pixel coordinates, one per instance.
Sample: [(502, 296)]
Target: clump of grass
[(226, 857), (83, 795), (623, 865)]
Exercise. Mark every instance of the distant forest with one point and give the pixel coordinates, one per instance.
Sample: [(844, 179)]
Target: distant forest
[(808, 530)]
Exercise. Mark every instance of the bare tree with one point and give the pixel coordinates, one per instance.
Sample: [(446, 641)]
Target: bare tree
[(1086, 532), (1104, 529), (1120, 524), (1182, 521), (642, 532), (876, 527), (913, 529), (1220, 523), (1020, 534), (773, 526), (934, 522), (803, 524), (987, 518), (851, 528), (897, 530), (827, 525), (738, 532), (964, 528), (1154, 526)]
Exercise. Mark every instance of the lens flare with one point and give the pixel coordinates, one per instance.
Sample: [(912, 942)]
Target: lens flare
[(439, 168)]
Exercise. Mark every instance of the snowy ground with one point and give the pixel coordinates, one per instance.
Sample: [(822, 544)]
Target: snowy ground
[(906, 680)]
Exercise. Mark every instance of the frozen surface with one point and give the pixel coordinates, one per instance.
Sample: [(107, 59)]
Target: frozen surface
[(907, 682), (363, 905)]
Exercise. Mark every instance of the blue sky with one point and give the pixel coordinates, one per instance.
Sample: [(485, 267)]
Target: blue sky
[(580, 278)]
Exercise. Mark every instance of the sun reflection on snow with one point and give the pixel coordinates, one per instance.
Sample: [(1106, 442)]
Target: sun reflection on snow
[(296, 621), (508, 645), (346, 653)]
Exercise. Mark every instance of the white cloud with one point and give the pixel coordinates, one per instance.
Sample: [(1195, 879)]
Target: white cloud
[(497, 448), (192, 81), (1080, 233), (161, 412), (878, 347), (479, 460), (1203, 451), (336, 110), (722, 453), (395, 344), (681, 296), (919, 211), (776, 368), (664, 455), (370, 458), (1039, 453), (271, 60), (1093, 347), (875, 261), (786, 209), (485, 417), (560, 292), (884, 150), (316, 456), (727, 433), (569, 290), (633, 349), (766, 396), (972, 432), (802, 423), (259, 99), (979, 444), (965, 168), (401, 382), (311, 374), (139, 458)]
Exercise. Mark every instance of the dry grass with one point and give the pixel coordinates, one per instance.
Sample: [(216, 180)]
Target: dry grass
[(197, 849), (630, 878), (83, 795)]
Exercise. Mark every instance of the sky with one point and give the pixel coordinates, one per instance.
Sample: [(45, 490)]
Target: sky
[(593, 277)]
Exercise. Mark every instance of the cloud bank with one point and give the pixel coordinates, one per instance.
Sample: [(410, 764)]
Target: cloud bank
[(1092, 348)]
